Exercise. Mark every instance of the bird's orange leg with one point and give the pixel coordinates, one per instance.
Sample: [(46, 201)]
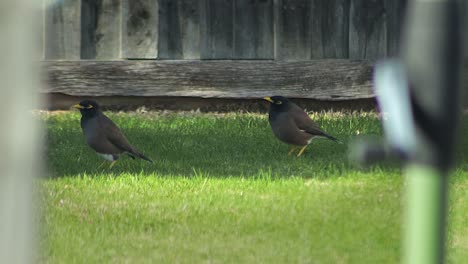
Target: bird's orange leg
[(302, 150), (102, 164), (112, 164), (292, 150)]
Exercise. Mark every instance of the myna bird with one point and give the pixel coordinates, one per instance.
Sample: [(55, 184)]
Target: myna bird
[(103, 135), (292, 125)]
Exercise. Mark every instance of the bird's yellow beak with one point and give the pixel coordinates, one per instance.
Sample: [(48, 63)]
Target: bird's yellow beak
[(268, 99)]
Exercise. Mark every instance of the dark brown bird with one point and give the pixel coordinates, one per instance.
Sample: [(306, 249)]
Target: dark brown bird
[(292, 125), (103, 135)]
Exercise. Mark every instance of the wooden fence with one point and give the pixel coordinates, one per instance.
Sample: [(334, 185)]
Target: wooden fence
[(221, 29), (316, 49)]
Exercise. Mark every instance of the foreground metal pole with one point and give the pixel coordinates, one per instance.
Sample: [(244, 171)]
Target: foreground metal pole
[(425, 215), (419, 96), (432, 57), (19, 133)]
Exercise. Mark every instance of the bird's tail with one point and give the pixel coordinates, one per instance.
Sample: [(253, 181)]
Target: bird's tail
[(332, 138), (135, 153)]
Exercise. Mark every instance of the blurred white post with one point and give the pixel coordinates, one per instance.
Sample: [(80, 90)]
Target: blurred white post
[(19, 132)]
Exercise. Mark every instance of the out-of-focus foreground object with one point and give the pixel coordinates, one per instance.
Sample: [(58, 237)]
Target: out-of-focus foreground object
[(419, 99), (432, 57), (19, 134)]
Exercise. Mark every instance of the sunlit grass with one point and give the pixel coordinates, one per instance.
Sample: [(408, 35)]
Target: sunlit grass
[(222, 189)]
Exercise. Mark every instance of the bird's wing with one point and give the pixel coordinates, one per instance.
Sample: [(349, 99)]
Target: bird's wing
[(304, 122), (114, 135)]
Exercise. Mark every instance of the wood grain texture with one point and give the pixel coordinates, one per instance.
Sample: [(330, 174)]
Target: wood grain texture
[(330, 29), (223, 29), (464, 85), (465, 30), (395, 10), (318, 79), (293, 34), (253, 29), (62, 29), (140, 29), (100, 29), (179, 29), (368, 29), (217, 29)]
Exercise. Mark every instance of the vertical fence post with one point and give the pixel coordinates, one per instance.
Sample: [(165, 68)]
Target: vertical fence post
[(19, 136)]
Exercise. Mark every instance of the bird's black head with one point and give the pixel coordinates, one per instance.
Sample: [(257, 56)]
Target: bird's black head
[(88, 108), (278, 103)]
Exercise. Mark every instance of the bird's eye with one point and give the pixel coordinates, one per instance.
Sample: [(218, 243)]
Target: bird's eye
[(278, 102), (88, 106)]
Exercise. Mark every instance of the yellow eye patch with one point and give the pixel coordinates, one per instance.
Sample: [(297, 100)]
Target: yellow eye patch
[(83, 107)]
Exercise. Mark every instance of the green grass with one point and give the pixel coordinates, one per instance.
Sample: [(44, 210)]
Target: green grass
[(222, 190)]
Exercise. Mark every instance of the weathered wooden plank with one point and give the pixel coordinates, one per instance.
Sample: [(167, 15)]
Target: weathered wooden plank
[(179, 29), (293, 35), (140, 29), (465, 30), (62, 29), (217, 29), (253, 29), (368, 29), (190, 24), (317, 79), (169, 32), (395, 12), (464, 85), (464, 77), (330, 29), (100, 29), (89, 20)]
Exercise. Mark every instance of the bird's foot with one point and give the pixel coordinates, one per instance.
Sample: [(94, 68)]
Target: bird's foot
[(301, 151), (292, 150), (102, 164), (112, 164)]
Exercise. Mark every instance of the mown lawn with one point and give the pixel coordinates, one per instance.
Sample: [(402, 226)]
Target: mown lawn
[(223, 190)]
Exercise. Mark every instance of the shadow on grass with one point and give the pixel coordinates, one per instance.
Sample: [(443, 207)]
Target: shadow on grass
[(213, 148), (204, 154)]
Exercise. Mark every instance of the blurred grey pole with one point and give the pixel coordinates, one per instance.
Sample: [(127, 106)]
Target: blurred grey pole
[(432, 56), (420, 97), (19, 133)]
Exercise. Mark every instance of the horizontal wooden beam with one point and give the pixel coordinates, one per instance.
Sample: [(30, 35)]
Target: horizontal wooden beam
[(317, 79)]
